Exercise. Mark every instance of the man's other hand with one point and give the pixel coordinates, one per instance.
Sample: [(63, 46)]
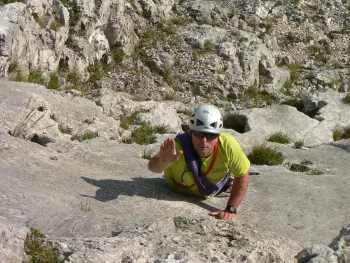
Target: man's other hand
[(224, 215)]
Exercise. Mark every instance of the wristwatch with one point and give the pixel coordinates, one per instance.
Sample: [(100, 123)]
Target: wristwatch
[(231, 209)]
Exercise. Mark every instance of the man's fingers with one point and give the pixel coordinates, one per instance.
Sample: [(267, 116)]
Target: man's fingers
[(214, 213)]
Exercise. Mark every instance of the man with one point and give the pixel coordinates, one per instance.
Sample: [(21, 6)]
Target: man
[(200, 161)]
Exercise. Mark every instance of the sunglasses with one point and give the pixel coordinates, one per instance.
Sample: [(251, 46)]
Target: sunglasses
[(209, 136)]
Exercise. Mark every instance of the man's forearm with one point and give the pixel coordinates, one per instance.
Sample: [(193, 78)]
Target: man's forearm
[(156, 166), (239, 189)]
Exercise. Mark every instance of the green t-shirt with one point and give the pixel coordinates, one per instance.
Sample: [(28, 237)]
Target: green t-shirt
[(230, 157)]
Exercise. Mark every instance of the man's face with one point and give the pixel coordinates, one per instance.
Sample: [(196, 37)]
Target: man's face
[(204, 146)]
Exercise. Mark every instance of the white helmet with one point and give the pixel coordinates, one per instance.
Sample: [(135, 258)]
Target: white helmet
[(206, 118)]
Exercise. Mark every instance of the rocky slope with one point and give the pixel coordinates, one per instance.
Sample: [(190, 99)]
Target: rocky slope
[(73, 166)]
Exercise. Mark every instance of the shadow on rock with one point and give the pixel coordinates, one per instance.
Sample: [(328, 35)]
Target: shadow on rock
[(155, 188)]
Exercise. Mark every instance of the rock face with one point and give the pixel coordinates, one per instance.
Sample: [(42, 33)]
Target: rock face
[(70, 163), (180, 239), (208, 50), (96, 201), (12, 241)]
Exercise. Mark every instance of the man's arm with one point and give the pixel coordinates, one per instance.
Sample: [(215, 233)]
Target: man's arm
[(167, 155), (156, 165), (238, 191)]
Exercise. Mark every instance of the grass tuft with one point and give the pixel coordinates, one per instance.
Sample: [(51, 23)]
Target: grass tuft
[(340, 133), (279, 137), (85, 206), (34, 248), (88, 135), (264, 155), (147, 154), (28, 122), (299, 144), (314, 172), (142, 134), (346, 99)]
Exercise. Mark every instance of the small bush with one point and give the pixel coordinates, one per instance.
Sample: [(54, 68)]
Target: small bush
[(142, 134), (168, 75), (35, 76), (340, 133), (75, 80), (126, 121), (300, 168), (161, 129), (34, 248), (314, 172), (263, 155), (54, 82), (88, 135), (298, 144), (41, 20), (96, 71), (346, 99), (118, 54), (208, 45), (65, 129), (279, 137), (170, 96)]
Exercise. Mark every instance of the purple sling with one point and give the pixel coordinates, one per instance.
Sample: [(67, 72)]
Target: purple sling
[(204, 186)]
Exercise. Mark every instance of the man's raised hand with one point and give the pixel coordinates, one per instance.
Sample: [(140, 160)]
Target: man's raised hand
[(168, 153)]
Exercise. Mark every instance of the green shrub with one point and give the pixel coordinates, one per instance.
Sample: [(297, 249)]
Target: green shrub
[(96, 71), (74, 11), (168, 28), (16, 72), (34, 248), (340, 133), (168, 75), (65, 129), (126, 121), (254, 94), (314, 172), (54, 82), (264, 155), (179, 20), (35, 76), (56, 25), (279, 137), (295, 167), (346, 99), (161, 129), (299, 144), (88, 135), (208, 45), (118, 54), (75, 80), (170, 96), (142, 134), (41, 20)]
